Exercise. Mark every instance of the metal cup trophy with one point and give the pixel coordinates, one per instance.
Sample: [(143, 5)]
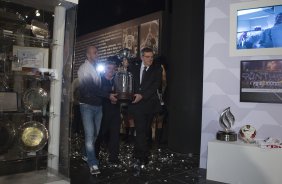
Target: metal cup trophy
[(123, 81), (226, 121)]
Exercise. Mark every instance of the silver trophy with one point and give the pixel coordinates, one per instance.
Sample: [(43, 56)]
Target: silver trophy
[(123, 82), (226, 121)]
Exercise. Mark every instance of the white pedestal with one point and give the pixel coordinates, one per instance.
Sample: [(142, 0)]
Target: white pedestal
[(239, 163)]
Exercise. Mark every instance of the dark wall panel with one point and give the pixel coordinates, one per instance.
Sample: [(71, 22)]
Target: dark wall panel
[(186, 20)]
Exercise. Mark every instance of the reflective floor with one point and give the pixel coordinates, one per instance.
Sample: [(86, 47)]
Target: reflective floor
[(164, 166)]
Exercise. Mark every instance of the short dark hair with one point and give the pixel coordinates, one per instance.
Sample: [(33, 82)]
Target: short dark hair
[(146, 49)]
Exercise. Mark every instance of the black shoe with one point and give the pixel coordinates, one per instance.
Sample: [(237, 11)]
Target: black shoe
[(136, 168), (94, 170)]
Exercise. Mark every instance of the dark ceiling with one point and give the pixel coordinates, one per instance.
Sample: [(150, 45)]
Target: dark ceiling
[(98, 14), (92, 15)]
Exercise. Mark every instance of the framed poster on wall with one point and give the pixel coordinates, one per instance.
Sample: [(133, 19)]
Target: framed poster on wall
[(130, 39), (261, 81), (129, 34), (30, 57), (256, 28), (149, 35)]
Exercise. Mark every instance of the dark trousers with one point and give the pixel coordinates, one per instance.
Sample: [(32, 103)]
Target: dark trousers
[(142, 122), (110, 130), (77, 126)]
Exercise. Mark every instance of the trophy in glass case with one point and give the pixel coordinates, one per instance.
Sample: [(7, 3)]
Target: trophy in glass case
[(123, 81), (35, 99), (33, 136), (226, 121)]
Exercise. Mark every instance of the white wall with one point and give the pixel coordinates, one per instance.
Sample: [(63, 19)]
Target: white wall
[(221, 82)]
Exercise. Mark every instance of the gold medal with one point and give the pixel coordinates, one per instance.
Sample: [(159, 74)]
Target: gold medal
[(32, 136)]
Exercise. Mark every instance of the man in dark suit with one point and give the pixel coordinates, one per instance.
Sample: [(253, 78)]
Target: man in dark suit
[(111, 120), (147, 79)]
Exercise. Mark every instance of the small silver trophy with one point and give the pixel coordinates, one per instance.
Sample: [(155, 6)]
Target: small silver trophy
[(226, 121)]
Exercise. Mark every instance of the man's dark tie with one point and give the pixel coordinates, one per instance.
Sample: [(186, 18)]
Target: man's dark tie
[(144, 73)]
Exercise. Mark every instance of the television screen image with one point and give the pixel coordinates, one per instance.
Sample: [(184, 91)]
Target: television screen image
[(259, 27), (261, 81)]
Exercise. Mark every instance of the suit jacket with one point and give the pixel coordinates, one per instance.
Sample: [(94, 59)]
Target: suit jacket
[(148, 88)]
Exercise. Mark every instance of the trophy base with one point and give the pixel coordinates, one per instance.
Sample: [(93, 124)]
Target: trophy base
[(226, 136), (124, 97)]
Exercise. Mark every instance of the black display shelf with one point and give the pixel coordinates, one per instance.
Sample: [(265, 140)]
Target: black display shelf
[(24, 164)]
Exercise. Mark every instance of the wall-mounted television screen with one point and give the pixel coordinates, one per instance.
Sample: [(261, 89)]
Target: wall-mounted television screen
[(256, 28), (261, 81), (259, 27)]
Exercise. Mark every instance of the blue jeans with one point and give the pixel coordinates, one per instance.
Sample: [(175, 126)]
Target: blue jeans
[(91, 118)]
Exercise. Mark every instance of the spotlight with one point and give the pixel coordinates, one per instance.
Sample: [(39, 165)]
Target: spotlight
[(26, 16), (37, 13), (100, 68)]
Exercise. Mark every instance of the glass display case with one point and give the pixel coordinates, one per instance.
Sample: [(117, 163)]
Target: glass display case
[(29, 78)]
